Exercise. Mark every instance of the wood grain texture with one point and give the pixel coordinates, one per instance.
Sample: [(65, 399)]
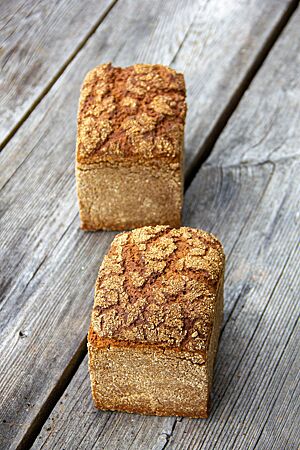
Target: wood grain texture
[(49, 265), (204, 39), (37, 39), (248, 194)]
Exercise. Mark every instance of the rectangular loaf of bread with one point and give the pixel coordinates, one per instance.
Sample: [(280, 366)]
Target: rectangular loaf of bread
[(156, 321), (129, 158)]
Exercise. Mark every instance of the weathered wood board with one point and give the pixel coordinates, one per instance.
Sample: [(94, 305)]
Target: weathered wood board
[(50, 265), (38, 39), (205, 40), (248, 193)]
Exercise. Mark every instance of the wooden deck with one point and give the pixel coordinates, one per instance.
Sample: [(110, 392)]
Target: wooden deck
[(241, 62)]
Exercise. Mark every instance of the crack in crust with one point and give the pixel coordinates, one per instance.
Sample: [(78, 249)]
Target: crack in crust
[(135, 113), (159, 285)]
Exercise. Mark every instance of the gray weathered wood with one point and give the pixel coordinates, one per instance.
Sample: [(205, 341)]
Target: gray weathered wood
[(248, 193), (216, 44), (38, 39), (50, 266), (285, 402)]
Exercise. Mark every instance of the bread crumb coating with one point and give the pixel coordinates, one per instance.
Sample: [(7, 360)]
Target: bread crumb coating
[(131, 114), (158, 286)]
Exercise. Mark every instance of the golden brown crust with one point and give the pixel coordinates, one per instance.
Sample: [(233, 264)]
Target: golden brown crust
[(97, 342), (158, 286), (131, 114)]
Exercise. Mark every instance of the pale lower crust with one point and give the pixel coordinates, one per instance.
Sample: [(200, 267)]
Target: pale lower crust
[(122, 198), (203, 414), (112, 226)]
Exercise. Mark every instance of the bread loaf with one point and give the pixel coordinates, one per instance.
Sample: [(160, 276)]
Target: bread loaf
[(129, 159), (156, 320)]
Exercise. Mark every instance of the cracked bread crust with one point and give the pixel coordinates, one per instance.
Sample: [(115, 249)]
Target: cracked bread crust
[(159, 286), (129, 115)]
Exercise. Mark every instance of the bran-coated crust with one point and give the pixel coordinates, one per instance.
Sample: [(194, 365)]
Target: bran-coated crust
[(158, 286), (129, 115)]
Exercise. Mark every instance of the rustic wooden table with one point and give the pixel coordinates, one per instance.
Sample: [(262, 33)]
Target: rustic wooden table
[(241, 61)]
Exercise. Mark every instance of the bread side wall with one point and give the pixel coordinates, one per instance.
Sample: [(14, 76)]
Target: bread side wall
[(214, 339), (148, 381), (121, 198)]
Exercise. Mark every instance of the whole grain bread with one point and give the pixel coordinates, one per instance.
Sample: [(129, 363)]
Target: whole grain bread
[(158, 301), (129, 159)]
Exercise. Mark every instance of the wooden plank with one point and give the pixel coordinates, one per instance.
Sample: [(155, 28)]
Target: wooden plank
[(37, 40), (250, 198), (285, 404), (216, 69), (50, 266)]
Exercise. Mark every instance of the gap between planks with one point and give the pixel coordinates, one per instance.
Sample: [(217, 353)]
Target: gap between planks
[(209, 142), (51, 82), (54, 397)]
